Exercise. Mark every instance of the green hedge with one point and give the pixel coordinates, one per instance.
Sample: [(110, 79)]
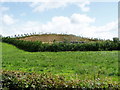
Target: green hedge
[(37, 46), (16, 80)]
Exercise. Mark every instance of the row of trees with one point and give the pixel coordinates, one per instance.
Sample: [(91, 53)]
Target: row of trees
[(37, 46), (41, 33), (32, 34)]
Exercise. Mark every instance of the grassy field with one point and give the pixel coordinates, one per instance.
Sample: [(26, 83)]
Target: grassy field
[(97, 64)]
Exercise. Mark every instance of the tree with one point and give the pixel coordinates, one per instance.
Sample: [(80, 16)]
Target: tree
[(115, 40)]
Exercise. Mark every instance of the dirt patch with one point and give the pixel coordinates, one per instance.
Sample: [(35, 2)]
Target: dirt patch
[(53, 37)]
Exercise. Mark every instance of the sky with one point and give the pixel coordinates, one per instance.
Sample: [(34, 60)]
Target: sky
[(87, 19)]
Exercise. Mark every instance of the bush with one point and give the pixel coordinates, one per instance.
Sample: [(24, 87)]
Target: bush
[(25, 45), (37, 46), (16, 80), (115, 39)]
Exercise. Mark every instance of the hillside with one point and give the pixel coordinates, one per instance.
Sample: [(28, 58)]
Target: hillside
[(70, 68), (55, 37), (65, 63)]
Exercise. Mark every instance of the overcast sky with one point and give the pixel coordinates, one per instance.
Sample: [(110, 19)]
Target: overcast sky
[(87, 19)]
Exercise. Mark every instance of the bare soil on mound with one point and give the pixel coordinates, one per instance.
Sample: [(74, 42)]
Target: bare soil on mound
[(53, 37)]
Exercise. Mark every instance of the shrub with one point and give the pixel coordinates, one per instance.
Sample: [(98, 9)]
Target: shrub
[(115, 39), (37, 46), (16, 80)]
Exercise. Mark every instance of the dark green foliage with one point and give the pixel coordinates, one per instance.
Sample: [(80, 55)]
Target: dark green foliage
[(115, 39), (37, 46), (25, 45), (16, 80)]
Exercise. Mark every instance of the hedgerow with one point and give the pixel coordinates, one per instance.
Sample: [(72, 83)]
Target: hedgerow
[(37, 46), (16, 80)]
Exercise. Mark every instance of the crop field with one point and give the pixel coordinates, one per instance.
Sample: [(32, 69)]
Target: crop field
[(89, 64)]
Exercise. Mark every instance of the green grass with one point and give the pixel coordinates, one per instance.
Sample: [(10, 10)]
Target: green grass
[(90, 64)]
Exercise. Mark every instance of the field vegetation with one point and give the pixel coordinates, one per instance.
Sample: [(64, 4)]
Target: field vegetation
[(38, 46), (33, 62), (72, 69)]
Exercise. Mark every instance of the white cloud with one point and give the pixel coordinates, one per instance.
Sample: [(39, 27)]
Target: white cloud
[(1, 30), (51, 4), (3, 9), (109, 30), (109, 27), (84, 7), (79, 18), (31, 26), (78, 24), (8, 20), (42, 6), (56, 0)]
